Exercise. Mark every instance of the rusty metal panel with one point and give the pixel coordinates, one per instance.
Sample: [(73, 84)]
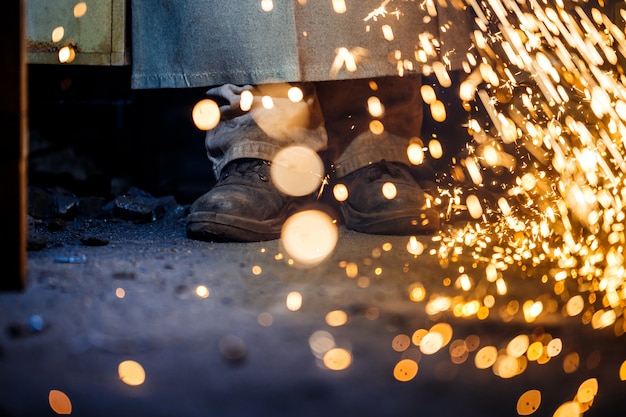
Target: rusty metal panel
[(96, 37)]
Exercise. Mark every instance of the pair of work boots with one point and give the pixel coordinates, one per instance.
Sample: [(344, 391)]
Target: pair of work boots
[(245, 206)]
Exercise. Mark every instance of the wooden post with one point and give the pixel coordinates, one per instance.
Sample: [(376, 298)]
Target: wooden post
[(13, 146)]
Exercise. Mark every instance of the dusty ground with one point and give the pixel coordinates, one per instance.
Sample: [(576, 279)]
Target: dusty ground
[(242, 351)]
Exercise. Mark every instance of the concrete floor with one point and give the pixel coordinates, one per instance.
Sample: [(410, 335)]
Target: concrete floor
[(241, 351)]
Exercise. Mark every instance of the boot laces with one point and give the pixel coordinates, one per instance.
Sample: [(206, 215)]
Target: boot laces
[(243, 167), (379, 169)]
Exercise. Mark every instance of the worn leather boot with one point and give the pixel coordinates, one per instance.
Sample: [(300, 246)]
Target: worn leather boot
[(243, 206), (384, 198)]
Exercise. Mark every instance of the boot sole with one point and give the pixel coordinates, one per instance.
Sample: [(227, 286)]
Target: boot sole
[(209, 226), (399, 223)]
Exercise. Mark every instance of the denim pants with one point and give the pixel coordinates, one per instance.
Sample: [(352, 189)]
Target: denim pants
[(352, 123), (198, 43)]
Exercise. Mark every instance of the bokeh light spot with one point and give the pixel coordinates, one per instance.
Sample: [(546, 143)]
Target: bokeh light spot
[(587, 390), (622, 371), (534, 351), (389, 190), (405, 370), (474, 207), (339, 6), (66, 54), (267, 5), (80, 9), (321, 342), (131, 373), (571, 362), (375, 107), (267, 102), (415, 152), (438, 111), (401, 342), (417, 292), (57, 34), (309, 237), (352, 270), (337, 359), (377, 127), (336, 318), (418, 335), (529, 402), (431, 343), (518, 346), (443, 329), (294, 301), (206, 114), (554, 348), (568, 409), (246, 100), (428, 94), (202, 291), (414, 246), (486, 357), (295, 94), (59, 402), (435, 149), (297, 170), (387, 32), (265, 319), (340, 192)]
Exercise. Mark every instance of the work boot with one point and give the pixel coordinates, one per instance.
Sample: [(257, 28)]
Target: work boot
[(243, 206), (384, 198)]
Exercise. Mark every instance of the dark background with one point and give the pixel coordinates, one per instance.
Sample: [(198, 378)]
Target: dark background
[(92, 135)]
